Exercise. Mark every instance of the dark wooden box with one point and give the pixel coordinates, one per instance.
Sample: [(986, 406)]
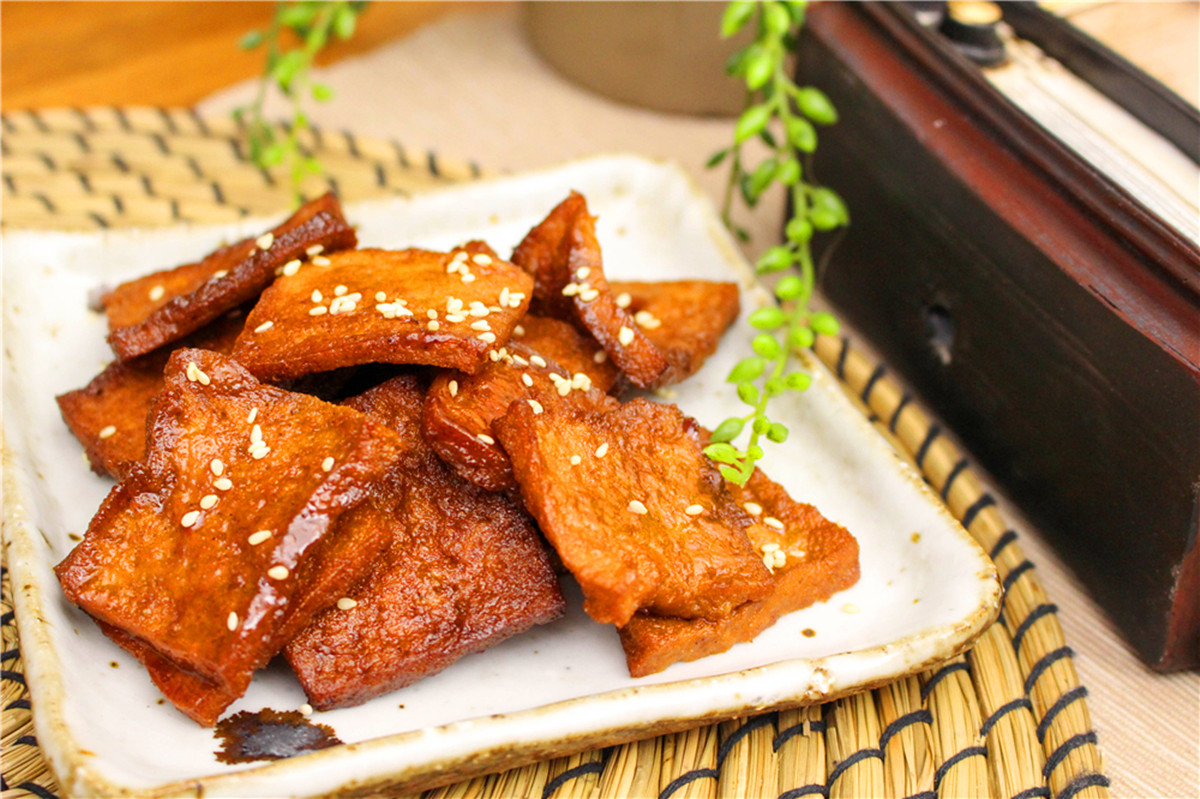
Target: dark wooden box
[(1049, 319)]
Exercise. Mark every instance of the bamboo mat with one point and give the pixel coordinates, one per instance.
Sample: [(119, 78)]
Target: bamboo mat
[(1009, 719)]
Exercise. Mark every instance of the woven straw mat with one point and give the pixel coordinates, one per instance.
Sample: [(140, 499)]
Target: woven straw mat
[(1008, 719)]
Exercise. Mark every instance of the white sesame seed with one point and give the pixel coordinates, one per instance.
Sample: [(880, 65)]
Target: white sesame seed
[(780, 559), (694, 510), (600, 357), (635, 506), (208, 500), (252, 416), (260, 453), (478, 309), (278, 572), (306, 709), (581, 381), (482, 259), (339, 290), (583, 272), (576, 460), (602, 450), (563, 388), (327, 464), (453, 267), (318, 310), (482, 324), (220, 273), (505, 296), (455, 318), (771, 520), (190, 518), (217, 466), (380, 296), (264, 327), (625, 336), (291, 267), (519, 361), (624, 300), (518, 331), (316, 249), (259, 537), (490, 338), (753, 508), (321, 260), (317, 296), (485, 438), (537, 406), (453, 386), (223, 484), (265, 241), (526, 379), (468, 278), (345, 603), (769, 561), (570, 290), (433, 326), (191, 370), (493, 355), (108, 431), (588, 295), (772, 547), (232, 621), (256, 433), (157, 293), (537, 360), (647, 320)]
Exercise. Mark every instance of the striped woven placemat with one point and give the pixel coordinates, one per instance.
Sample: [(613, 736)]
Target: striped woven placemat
[(1008, 719)]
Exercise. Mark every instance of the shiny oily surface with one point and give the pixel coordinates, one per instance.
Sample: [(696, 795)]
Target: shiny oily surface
[(548, 690)]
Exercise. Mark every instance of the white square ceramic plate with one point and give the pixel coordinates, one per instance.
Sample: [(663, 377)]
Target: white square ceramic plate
[(558, 688)]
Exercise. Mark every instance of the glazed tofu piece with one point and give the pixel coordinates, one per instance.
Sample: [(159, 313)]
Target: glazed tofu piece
[(810, 558), (564, 257), (464, 570), (684, 319), (146, 313), (634, 509), (383, 306), (108, 415), (222, 543), (543, 360)]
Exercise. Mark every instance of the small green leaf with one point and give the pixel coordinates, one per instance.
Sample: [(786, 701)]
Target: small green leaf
[(746, 370), (829, 201), (298, 15), (777, 433), (824, 324), (287, 67), (776, 19), (800, 338), (748, 393), (728, 430), (322, 92), (798, 230), (272, 155), (762, 176), (716, 158), (775, 259), (344, 22), (736, 65), (759, 68), (754, 452), (736, 15), (789, 172), (733, 475), (752, 120), (801, 134), (774, 387), (768, 138), (798, 381), (789, 287), (768, 318), (766, 346), (813, 103), (251, 40), (721, 452), (823, 218)]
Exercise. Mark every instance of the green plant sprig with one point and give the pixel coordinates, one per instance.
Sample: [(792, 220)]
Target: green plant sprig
[(784, 116), (312, 23)]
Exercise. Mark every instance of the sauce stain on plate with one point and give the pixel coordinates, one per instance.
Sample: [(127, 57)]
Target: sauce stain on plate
[(270, 735)]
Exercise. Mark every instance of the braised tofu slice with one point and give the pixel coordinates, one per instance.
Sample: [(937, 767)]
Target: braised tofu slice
[(810, 558), (383, 306), (108, 415), (162, 307), (543, 360), (564, 257), (684, 319), (633, 507), (221, 544), (465, 569)]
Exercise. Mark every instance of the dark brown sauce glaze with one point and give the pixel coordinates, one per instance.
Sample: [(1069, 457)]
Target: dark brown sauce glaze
[(270, 735)]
